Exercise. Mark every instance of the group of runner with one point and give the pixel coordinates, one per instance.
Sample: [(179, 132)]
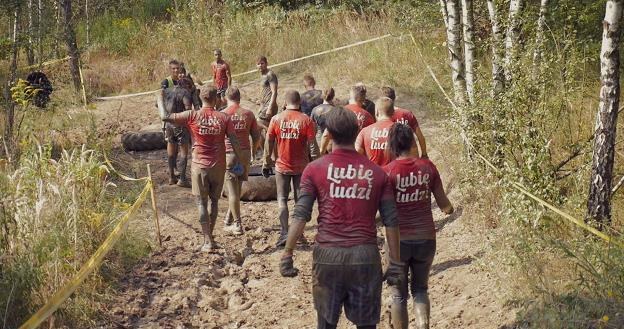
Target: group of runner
[(368, 162)]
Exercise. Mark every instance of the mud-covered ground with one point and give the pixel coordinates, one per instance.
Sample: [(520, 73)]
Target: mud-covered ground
[(240, 287)]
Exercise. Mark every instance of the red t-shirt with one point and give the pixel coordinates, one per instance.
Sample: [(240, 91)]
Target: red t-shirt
[(413, 180), (405, 117), (349, 189), (292, 131), (209, 128), (219, 74), (245, 124), (374, 140), (364, 118)]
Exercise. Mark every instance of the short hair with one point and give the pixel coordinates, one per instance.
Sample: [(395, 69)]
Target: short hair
[(388, 92), (329, 94), (308, 80), (292, 97), (217, 50), (174, 62), (385, 105), (358, 92), (208, 94), (342, 125), (233, 94), (262, 58), (400, 139)]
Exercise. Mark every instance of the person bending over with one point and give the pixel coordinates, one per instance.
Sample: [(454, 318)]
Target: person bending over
[(209, 128), (372, 140), (245, 124), (413, 181), (346, 264), (406, 117), (293, 134)]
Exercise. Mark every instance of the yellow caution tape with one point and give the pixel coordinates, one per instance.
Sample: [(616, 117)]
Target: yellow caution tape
[(359, 43), (518, 186), (94, 262), (122, 176)]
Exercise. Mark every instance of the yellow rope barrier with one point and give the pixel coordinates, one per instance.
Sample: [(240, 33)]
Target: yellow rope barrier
[(522, 189)]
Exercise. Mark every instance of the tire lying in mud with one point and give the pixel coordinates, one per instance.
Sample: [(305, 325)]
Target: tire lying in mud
[(257, 188), (143, 141)]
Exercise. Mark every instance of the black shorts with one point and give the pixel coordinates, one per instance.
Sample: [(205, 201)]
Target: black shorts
[(351, 277), (177, 135)]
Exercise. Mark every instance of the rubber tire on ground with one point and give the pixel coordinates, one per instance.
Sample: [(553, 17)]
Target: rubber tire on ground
[(143, 141), (257, 188)]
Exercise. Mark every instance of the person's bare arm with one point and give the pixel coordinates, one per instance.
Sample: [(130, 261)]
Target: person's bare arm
[(229, 75), (235, 145), (315, 153), (359, 144), (269, 145), (421, 141), (325, 143), (273, 104), (389, 218), (255, 137), (393, 237), (442, 200)]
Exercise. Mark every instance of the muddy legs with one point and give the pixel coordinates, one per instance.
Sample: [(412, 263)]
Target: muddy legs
[(421, 310)]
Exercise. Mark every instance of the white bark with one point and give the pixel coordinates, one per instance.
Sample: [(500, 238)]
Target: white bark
[(598, 204), (30, 52), (444, 13), (498, 78), (39, 32), (469, 47), (87, 21), (454, 46), (539, 37), (513, 33)]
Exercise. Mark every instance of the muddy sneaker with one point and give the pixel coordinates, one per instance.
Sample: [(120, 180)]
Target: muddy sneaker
[(281, 242), (173, 180), (237, 228), (184, 183), (207, 248)]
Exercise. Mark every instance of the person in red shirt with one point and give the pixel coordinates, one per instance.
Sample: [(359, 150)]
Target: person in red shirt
[(245, 125), (357, 97), (209, 129), (413, 181), (221, 76), (346, 267), (293, 133), (408, 118), (372, 140)]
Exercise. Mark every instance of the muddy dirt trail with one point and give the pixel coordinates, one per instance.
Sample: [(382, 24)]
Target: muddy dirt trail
[(240, 287)]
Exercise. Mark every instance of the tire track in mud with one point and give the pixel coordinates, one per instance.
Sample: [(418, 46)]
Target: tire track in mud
[(240, 286)]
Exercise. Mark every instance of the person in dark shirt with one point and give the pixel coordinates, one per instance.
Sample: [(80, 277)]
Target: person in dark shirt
[(320, 112), (194, 91), (346, 264), (367, 104), (310, 98), (174, 72), (178, 99)]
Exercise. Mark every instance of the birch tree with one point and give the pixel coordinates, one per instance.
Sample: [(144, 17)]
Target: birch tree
[(451, 10), (40, 31), (498, 77), (513, 35), (539, 37), (598, 204), (10, 106), (30, 50), (72, 47), (469, 47)]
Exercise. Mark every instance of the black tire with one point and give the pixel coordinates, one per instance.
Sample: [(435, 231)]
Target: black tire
[(143, 141)]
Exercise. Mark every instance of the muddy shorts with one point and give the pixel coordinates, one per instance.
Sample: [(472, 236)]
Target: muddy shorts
[(177, 135), (207, 182), (245, 161), (263, 118), (349, 277)]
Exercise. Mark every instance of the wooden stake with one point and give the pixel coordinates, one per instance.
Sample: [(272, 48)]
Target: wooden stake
[(154, 207)]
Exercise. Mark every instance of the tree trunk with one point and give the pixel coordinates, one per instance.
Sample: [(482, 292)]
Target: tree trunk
[(10, 105), (469, 47), (498, 77), (513, 34), (39, 32), (88, 28), (57, 29), (30, 50), (453, 33), (539, 38), (598, 204), (72, 47), (444, 14)]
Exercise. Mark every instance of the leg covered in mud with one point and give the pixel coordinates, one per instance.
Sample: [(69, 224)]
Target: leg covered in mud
[(398, 308)]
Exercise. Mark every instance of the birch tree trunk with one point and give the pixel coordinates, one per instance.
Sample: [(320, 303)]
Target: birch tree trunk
[(57, 29), (30, 50), (498, 77), (72, 47), (598, 204), (513, 34), (444, 14), (453, 33), (39, 32), (10, 107), (88, 28), (539, 38), (469, 47)]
